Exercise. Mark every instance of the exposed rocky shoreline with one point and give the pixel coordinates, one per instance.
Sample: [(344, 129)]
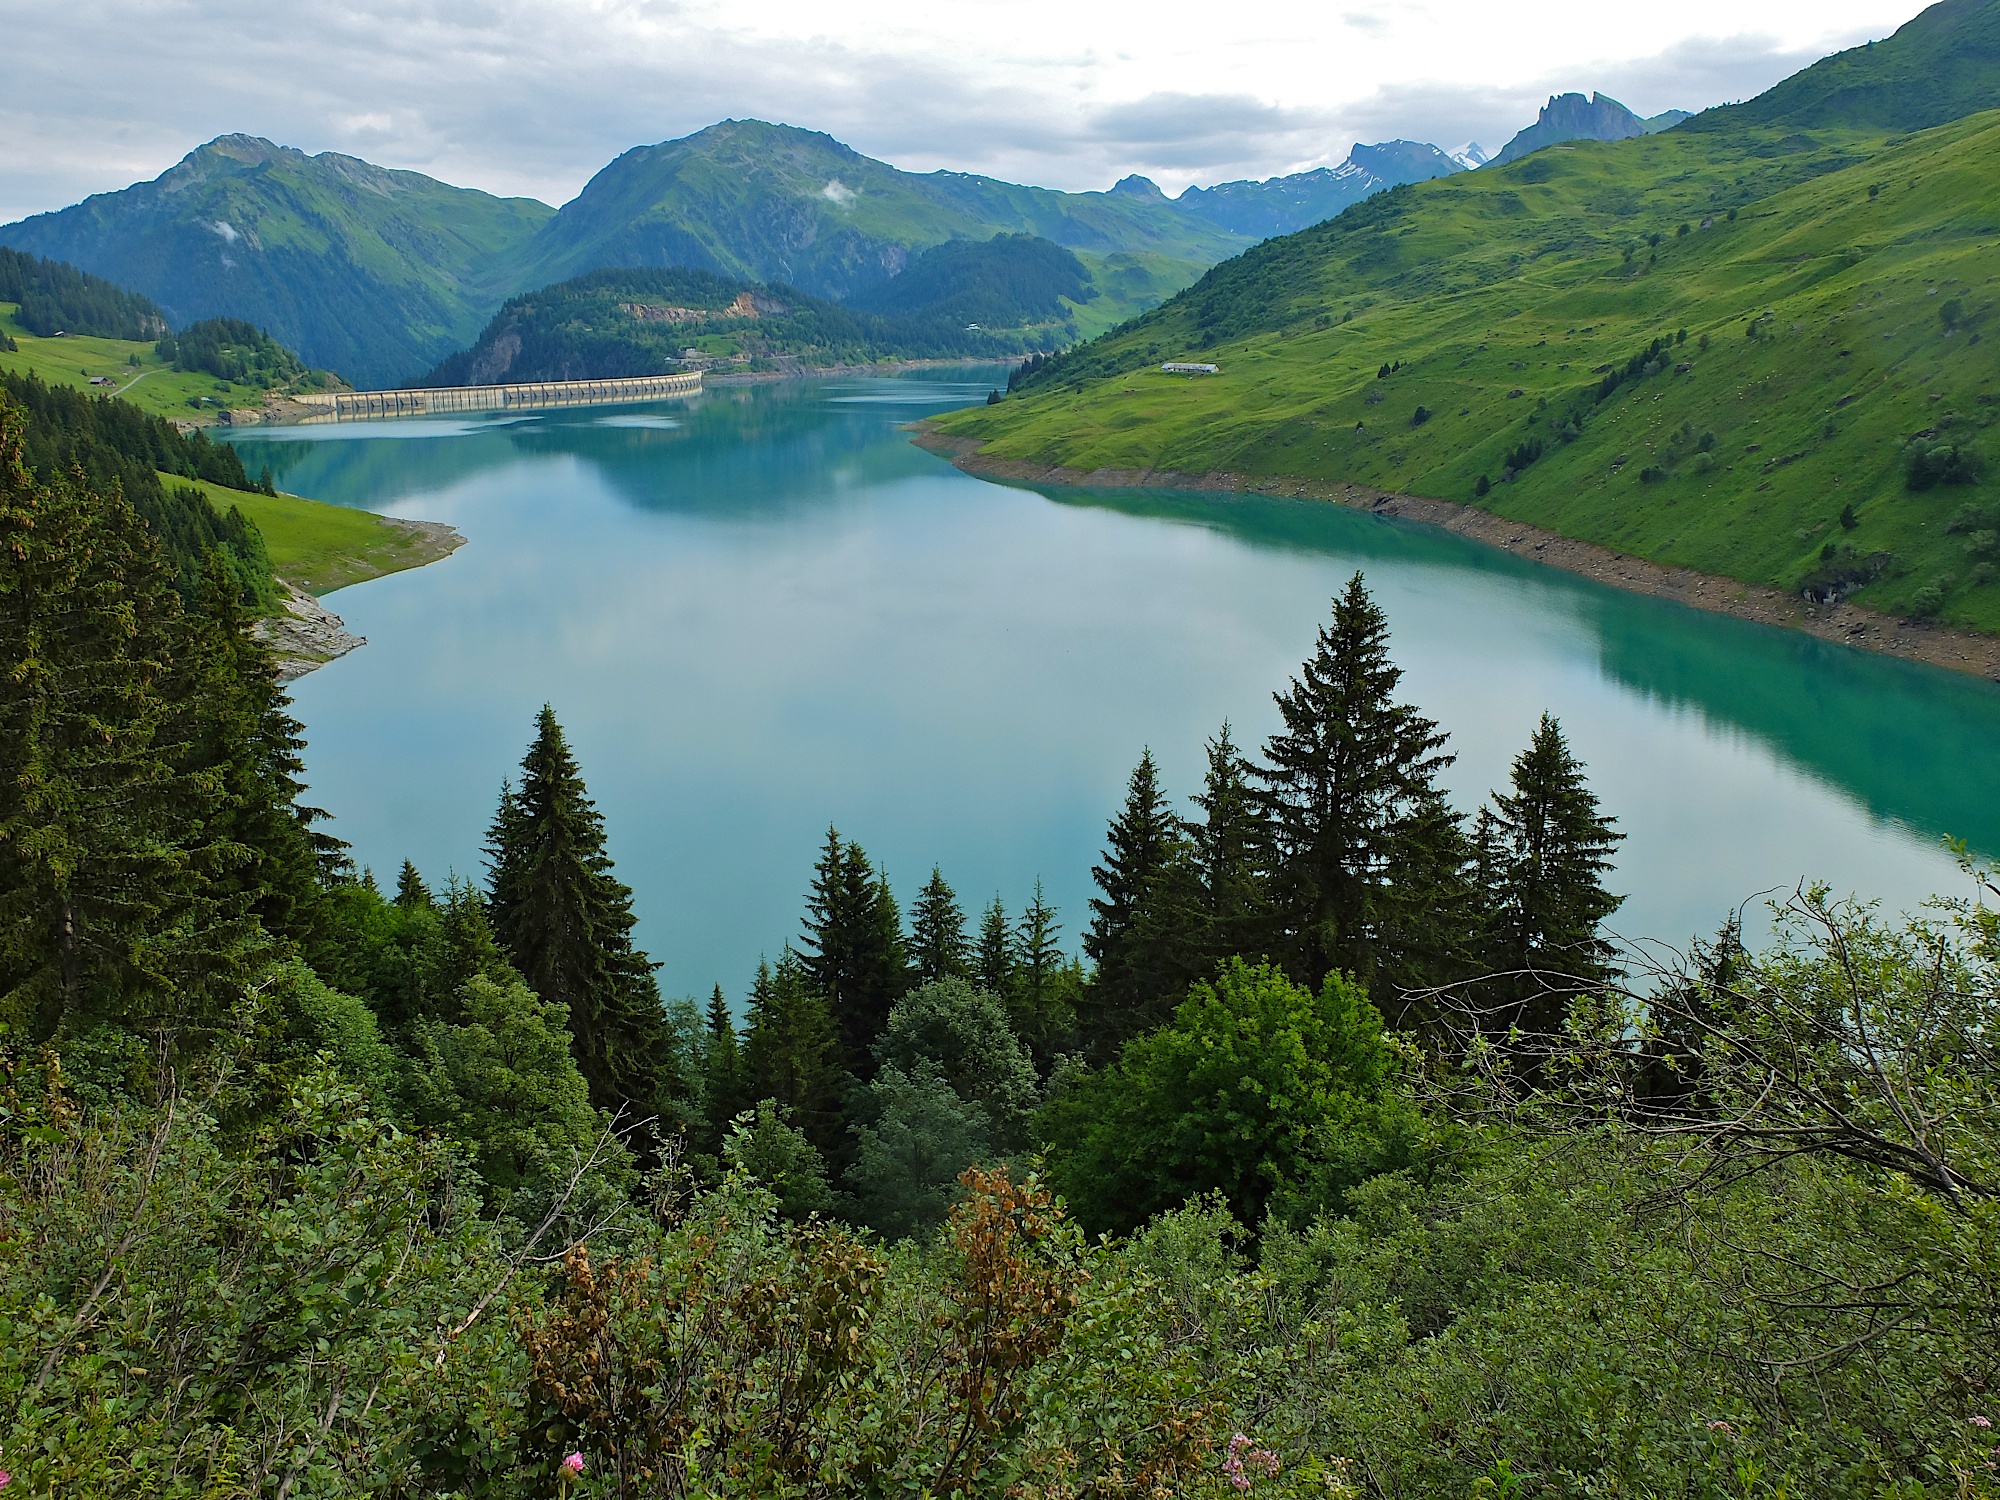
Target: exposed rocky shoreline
[(1848, 624), (306, 635)]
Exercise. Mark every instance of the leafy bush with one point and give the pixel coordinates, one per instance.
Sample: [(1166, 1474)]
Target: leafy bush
[(1934, 463), (1927, 601)]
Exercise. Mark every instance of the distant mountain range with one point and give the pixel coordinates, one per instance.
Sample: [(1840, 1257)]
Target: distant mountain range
[(380, 274)]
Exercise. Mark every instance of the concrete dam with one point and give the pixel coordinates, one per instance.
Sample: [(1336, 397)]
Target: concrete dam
[(359, 406)]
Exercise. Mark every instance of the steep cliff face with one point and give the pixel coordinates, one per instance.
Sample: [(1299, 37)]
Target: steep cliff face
[(1573, 117)]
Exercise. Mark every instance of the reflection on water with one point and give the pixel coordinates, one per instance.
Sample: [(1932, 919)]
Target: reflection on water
[(762, 610)]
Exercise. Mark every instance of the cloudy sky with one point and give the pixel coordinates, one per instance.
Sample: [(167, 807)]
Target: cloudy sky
[(532, 96)]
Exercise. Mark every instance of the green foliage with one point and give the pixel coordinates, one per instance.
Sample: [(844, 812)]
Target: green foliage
[(853, 947), (113, 442), (764, 1147), (1544, 854), (233, 350), (1930, 464), (963, 1035), (639, 322), (792, 1054), (1273, 1096), (58, 298), (1140, 923), (566, 923), (498, 1079), (907, 1161), (1004, 282), (939, 947), (1363, 845)]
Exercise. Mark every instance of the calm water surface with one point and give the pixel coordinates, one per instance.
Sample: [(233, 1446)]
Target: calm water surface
[(762, 610)]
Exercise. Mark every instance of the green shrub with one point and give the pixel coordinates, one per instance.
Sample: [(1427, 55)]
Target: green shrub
[(1934, 463), (1927, 601)]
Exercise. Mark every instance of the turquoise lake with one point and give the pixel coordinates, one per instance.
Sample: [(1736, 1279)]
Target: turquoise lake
[(761, 611)]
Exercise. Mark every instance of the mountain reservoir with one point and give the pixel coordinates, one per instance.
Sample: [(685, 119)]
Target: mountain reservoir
[(760, 610)]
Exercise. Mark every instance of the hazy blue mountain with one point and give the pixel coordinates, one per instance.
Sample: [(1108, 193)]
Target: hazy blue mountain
[(370, 272), (1283, 205)]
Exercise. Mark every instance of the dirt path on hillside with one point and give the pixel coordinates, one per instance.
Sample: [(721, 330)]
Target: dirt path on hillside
[(1955, 650)]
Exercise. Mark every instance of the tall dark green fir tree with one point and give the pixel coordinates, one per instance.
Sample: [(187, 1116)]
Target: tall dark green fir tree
[(1552, 850), (1349, 779), (1041, 999), (939, 948), (1231, 851), (993, 962), (566, 922), (792, 1053), (723, 1091), (411, 892), (118, 899), (853, 948), (1141, 936)]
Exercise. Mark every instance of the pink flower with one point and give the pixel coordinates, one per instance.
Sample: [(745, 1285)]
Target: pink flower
[(574, 1463), (1721, 1427), (5, 1479), (1979, 1422)]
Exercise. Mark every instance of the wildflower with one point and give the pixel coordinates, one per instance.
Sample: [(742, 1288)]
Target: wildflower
[(1244, 1458), (5, 1479), (574, 1463), (1979, 1422), (1722, 1427)]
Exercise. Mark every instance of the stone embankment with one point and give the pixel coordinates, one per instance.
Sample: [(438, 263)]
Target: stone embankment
[(1848, 624), (306, 634)]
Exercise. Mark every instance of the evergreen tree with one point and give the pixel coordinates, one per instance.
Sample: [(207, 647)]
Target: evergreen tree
[(1042, 1000), (411, 892), (566, 922), (1230, 849), (117, 897), (853, 948), (722, 1082), (939, 948), (231, 715), (1554, 850), (792, 1054), (993, 964), (1140, 935), (1349, 778)]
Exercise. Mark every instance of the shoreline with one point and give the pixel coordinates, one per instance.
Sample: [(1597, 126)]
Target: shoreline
[(1842, 624), (305, 635)]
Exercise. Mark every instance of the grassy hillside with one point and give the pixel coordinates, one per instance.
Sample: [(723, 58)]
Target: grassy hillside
[(1834, 290), (771, 203), (138, 373), (371, 273), (320, 548)]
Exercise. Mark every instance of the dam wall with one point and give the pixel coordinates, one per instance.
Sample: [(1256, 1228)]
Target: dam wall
[(358, 406)]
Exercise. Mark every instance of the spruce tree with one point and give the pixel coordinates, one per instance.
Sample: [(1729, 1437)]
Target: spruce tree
[(1231, 846), (1554, 850), (117, 899), (853, 948), (231, 716), (1141, 935), (1350, 776), (411, 892), (723, 1095), (939, 948), (792, 1053), (566, 921), (1041, 1001), (993, 964)]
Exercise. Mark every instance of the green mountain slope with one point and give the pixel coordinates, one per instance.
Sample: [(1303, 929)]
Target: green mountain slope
[(52, 298), (1941, 66), (1834, 321), (645, 322), (770, 203), (369, 272)]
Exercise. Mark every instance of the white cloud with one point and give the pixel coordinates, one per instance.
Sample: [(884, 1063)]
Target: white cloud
[(532, 96)]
